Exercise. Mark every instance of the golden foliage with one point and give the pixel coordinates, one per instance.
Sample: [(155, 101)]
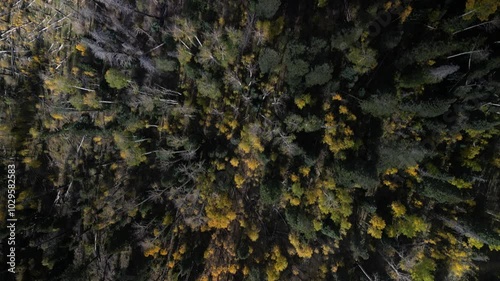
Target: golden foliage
[(90, 100), (404, 15), (304, 171), (252, 163), (234, 162), (81, 48), (412, 171), (473, 242), (253, 232), (398, 209), (337, 97), (302, 250), (338, 134), (302, 101), (391, 171), (57, 116), (278, 264), (152, 251), (239, 180), (219, 212), (377, 224), (460, 183)]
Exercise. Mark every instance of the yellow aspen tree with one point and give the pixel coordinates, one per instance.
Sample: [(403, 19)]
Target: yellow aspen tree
[(377, 224)]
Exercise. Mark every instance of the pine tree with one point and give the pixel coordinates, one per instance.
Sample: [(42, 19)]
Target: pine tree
[(319, 75), (268, 60), (267, 8), (400, 156), (428, 109), (383, 105)]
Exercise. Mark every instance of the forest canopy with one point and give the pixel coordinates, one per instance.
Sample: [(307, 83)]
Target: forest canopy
[(252, 140)]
